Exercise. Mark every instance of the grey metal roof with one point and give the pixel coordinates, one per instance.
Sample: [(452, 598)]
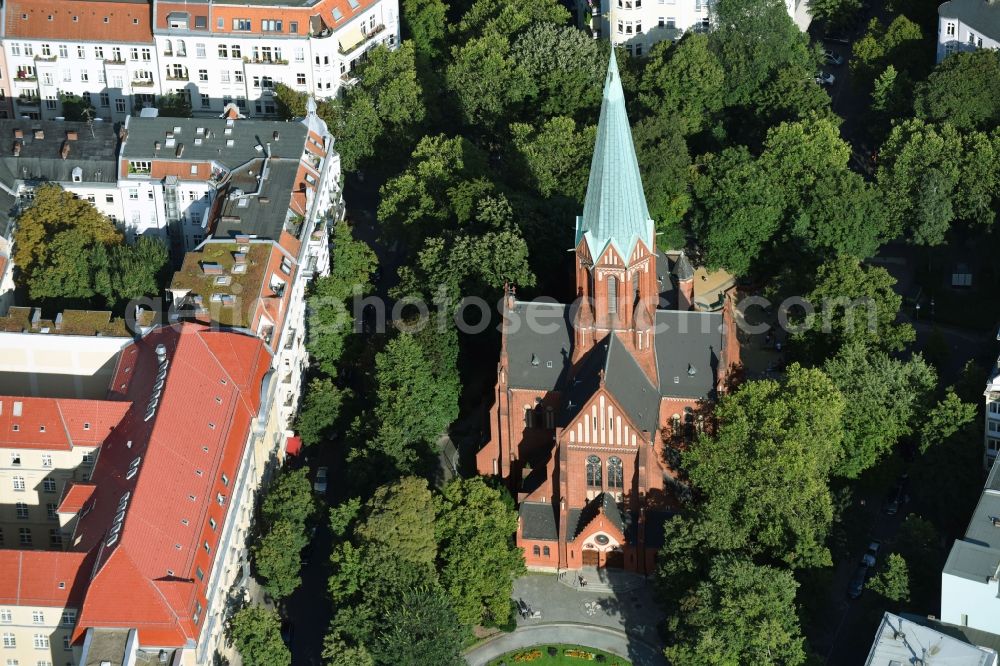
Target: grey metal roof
[(627, 382), (264, 214), (899, 640), (249, 139), (538, 521), (8, 203), (94, 151), (539, 345), (578, 519), (977, 556), (978, 637), (688, 344), (682, 269), (979, 14)]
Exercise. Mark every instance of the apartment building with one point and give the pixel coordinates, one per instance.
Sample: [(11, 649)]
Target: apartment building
[(967, 25), (163, 511), (991, 426), (187, 179), (98, 50), (970, 596), (636, 25), (122, 55), (919, 640)]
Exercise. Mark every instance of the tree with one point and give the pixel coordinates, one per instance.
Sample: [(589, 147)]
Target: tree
[(919, 544), (900, 45), (136, 270), (505, 18), (963, 90), (738, 209), (945, 419), (352, 263), (887, 397), (487, 80), (893, 579), (76, 108), (764, 473), (426, 22), (556, 156), (290, 102), (174, 105), (320, 410), (743, 614), (420, 628), (477, 557), (664, 163), (853, 302), (566, 65), (684, 81), (277, 558), (400, 517), (289, 498), (836, 13), (754, 41), (256, 632)]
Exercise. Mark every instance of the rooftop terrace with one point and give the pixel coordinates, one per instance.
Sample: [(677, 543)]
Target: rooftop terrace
[(222, 281)]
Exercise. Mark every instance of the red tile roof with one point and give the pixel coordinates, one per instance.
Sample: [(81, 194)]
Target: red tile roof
[(197, 434), (57, 423), (77, 495), (43, 578), (114, 22)]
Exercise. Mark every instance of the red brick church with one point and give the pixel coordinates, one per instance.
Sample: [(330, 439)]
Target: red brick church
[(588, 395)]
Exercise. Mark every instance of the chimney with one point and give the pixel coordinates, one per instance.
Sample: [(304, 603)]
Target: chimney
[(39, 134), (18, 133), (268, 148), (17, 149), (72, 135), (64, 153), (156, 147), (275, 135)]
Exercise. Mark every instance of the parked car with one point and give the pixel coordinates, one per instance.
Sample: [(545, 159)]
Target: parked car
[(894, 500), (871, 555), (825, 78), (858, 580), (831, 58), (319, 485), (837, 38)]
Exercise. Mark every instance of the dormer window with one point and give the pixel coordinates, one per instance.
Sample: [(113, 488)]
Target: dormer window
[(77, 175)]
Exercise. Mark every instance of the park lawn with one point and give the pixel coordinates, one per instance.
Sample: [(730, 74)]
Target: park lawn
[(561, 659)]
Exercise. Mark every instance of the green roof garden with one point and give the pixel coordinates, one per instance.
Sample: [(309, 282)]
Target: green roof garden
[(222, 281)]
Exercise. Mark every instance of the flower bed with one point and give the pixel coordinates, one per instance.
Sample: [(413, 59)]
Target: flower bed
[(530, 655), (580, 654)]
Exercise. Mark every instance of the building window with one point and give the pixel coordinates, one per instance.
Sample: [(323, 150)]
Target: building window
[(38, 617), (616, 479), (270, 25), (238, 76), (108, 198), (300, 79), (55, 538), (81, 52), (593, 471), (49, 485), (203, 75), (22, 510), (50, 511), (536, 551), (529, 417), (105, 99), (46, 460), (224, 76), (15, 459), (6, 615), (199, 51), (46, 50), (242, 25), (24, 536), (9, 641), (237, 53), (612, 295), (63, 51), (206, 102), (293, 27), (546, 552), (68, 618), (41, 642), (19, 483)]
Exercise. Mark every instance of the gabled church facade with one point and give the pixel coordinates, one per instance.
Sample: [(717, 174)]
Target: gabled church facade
[(589, 395)]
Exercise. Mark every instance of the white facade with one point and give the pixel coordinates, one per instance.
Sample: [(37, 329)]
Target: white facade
[(991, 426), (967, 25), (636, 25), (970, 582)]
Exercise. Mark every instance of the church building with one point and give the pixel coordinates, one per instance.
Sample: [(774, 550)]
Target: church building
[(593, 398)]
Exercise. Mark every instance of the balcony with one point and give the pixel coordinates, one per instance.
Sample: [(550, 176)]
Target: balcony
[(365, 37), (28, 101), (142, 83), (39, 58), (114, 61), (178, 77), (264, 61), (23, 76)]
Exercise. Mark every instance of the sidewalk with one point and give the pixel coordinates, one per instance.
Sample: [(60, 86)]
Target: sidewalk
[(635, 650)]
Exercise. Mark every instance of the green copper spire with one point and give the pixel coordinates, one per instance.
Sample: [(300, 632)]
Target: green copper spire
[(615, 209)]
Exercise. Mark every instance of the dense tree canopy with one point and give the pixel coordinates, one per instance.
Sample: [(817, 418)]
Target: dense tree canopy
[(256, 632), (963, 90)]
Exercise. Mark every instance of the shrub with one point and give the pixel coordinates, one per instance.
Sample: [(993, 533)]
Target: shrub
[(552, 650)]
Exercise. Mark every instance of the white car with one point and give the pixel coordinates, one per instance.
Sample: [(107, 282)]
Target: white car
[(825, 78), (319, 485)]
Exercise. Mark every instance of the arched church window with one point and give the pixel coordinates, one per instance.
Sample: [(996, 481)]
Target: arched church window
[(616, 479), (612, 295), (535, 550), (594, 471), (550, 418), (528, 414)]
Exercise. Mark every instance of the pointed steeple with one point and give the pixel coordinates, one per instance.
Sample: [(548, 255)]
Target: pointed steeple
[(614, 210)]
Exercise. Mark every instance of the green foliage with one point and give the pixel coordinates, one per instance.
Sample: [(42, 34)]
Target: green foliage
[(320, 410), (289, 498), (420, 628), (174, 105), (887, 396), (343, 515), (556, 156), (352, 263), (664, 163), (427, 24), (945, 419), (76, 108), (836, 13), (566, 65), (478, 559), (893, 580), (487, 80), (743, 614), (505, 18), (256, 632), (737, 209), (854, 302), (764, 473), (277, 560), (684, 81), (414, 405), (963, 90), (290, 102), (919, 544), (135, 270), (900, 45), (400, 517)]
